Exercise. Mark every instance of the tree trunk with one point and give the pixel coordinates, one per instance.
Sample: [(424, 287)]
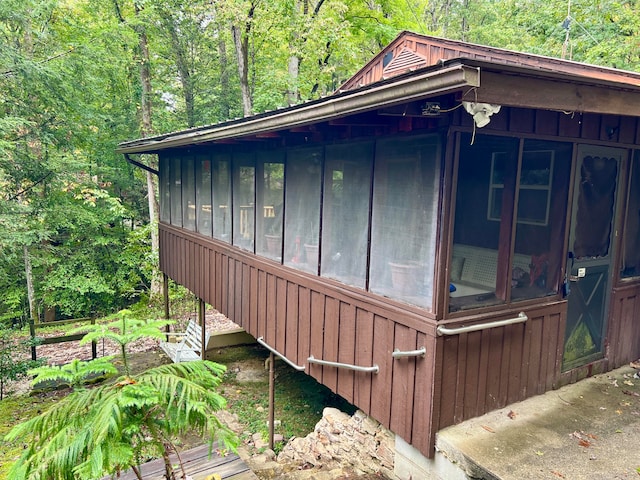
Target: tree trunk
[(33, 310), (241, 43), (146, 130), (224, 80), (183, 68)]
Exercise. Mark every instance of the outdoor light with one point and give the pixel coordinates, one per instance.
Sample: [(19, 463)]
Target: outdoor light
[(481, 112)]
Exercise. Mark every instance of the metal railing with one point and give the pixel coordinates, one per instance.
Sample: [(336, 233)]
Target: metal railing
[(521, 318), (348, 366), (421, 352), (261, 341)]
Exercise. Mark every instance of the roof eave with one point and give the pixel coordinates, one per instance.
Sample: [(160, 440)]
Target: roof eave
[(420, 85)]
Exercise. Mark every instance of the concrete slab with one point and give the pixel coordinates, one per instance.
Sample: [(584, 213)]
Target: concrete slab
[(588, 430)]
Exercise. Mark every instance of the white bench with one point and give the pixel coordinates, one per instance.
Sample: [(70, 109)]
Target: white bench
[(188, 344), (473, 269)]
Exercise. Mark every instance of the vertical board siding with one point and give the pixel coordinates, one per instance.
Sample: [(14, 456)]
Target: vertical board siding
[(623, 336), (489, 369)]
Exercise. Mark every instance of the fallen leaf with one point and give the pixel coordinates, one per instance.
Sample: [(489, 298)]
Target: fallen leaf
[(511, 414), (488, 429), (629, 392), (628, 382), (539, 453), (619, 412), (615, 383), (584, 443), (558, 474)]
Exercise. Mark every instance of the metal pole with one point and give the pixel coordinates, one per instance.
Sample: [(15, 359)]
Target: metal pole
[(203, 333), (272, 381), (165, 294), (32, 331), (94, 344)]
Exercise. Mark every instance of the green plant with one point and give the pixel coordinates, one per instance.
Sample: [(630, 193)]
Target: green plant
[(113, 427)]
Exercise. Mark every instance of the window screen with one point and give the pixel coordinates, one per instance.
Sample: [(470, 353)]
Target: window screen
[(270, 203), (164, 182), (203, 194), (302, 208), (345, 218), (244, 173), (631, 240), (175, 174), (405, 200), (221, 197), (188, 194)]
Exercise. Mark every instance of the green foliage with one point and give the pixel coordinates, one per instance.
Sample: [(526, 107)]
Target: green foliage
[(15, 361), (75, 373), (110, 428)]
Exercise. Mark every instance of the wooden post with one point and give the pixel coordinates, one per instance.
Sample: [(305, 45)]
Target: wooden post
[(203, 326), (32, 331), (272, 379)]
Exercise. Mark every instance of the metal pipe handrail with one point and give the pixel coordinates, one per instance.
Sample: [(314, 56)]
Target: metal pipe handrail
[(421, 352), (261, 341), (521, 318), (348, 366)]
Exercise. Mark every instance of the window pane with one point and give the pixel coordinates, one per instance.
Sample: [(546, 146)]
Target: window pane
[(543, 192), (221, 197), (631, 241), (176, 192), (404, 223), (302, 209), (188, 194), (244, 182), (203, 194), (486, 183), (164, 181), (345, 219), (270, 199)]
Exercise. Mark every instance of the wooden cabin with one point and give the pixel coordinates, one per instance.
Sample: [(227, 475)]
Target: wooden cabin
[(454, 230)]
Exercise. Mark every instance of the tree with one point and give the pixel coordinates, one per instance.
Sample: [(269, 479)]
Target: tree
[(110, 428)]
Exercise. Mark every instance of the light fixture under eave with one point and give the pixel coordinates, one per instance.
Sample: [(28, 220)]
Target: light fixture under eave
[(481, 112)]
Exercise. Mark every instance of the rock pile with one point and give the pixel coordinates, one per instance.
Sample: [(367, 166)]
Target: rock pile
[(340, 444)]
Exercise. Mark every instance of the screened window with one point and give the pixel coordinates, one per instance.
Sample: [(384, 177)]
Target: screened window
[(175, 175), (221, 197), (270, 204), (244, 181), (405, 199), (631, 240), (188, 194), (203, 195), (164, 180), (526, 183), (345, 218), (302, 208)]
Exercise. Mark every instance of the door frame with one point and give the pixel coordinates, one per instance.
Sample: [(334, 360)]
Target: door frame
[(621, 154)]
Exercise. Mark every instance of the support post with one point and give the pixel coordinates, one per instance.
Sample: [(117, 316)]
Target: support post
[(203, 333), (94, 345), (165, 295), (272, 380), (32, 331)]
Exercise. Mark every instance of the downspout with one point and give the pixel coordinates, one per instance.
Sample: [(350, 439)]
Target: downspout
[(140, 165)]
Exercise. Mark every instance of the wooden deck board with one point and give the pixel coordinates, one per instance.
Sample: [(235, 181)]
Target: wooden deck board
[(198, 465)]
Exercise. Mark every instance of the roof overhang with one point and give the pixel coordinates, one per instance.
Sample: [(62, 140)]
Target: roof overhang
[(423, 84), (526, 87), (505, 85)]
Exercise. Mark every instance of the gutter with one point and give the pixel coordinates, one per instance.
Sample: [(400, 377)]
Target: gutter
[(406, 89), (141, 165)]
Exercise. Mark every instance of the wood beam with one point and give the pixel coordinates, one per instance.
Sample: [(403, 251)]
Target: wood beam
[(528, 92)]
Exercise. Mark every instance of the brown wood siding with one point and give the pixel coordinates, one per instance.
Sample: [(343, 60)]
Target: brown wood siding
[(301, 315), (433, 50), (489, 369), (570, 127), (623, 339)]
